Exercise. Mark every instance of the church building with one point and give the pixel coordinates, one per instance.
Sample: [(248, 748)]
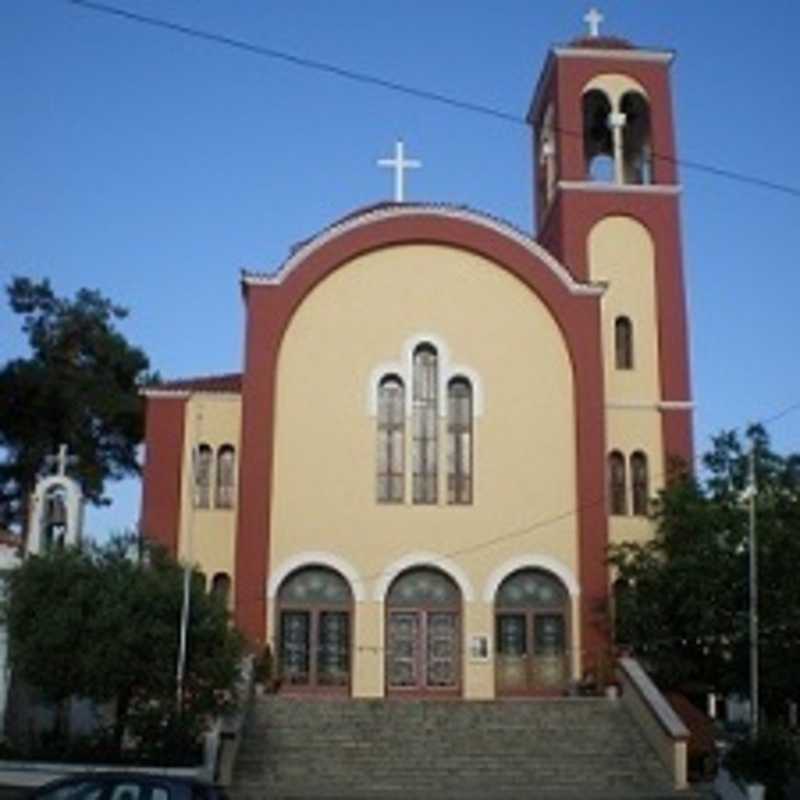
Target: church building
[(442, 421)]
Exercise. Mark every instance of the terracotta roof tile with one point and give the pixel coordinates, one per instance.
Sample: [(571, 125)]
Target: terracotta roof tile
[(228, 382), (602, 43)]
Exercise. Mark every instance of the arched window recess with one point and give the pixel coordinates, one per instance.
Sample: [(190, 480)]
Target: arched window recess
[(637, 150)]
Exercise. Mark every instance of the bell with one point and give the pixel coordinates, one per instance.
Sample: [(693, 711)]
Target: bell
[(56, 511)]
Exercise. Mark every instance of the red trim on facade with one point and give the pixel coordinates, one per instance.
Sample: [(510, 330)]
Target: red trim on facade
[(161, 478), (660, 215), (269, 311)]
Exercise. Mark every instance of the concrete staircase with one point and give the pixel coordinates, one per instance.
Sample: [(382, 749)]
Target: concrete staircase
[(581, 749)]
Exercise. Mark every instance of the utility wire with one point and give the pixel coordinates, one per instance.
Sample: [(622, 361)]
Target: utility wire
[(573, 512), (396, 86)]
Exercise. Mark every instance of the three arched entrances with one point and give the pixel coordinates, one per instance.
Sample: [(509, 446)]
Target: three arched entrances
[(423, 634), (532, 631), (314, 631)]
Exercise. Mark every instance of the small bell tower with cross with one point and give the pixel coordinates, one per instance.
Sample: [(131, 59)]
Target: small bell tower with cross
[(56, 508)]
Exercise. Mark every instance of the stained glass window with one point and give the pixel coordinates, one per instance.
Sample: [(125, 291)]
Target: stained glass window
[(391, 440), (202, 476), (226, 476), (425, 423), (531, 589), (424, 588), (315, 586), (617, 488), (639, 483), (459, 441)]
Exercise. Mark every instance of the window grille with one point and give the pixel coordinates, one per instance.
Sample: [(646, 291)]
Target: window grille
[(640, 482), (459, 441), (617, 484), (391, 440), (425, 444), (226, 476)]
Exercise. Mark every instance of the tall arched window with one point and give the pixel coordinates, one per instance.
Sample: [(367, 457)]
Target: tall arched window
[(636, 148), (221, 586), (623, 343), (640, 483), (425, 420), (391, 440), (203, 459), (459, 441), (226, 476), (598, 142), (617, 493)]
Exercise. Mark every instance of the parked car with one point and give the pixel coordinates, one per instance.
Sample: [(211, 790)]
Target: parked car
[(126, 786)]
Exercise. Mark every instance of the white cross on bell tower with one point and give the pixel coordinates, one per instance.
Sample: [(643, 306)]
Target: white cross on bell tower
[(399, 164), (56, 507), (593, 19)]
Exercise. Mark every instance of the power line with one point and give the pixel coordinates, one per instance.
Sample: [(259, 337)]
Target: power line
[(402, 88), (573, 512)]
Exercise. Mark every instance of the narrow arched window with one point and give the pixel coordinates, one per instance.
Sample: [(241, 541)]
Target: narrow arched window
[(203, 459), (221, 586), (459, 441), (623, 343), (637, 154), (226, 476), (598, 141), (391, 440), (617, 493), (425, 419), (640, 483)]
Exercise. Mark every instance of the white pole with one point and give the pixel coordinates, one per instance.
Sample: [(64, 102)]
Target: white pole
[(187, 575), (753, 598)]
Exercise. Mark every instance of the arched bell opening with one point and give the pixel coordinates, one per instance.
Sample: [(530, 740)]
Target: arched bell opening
[(423, 634), (533, 634), (637, 152), (598, 141)]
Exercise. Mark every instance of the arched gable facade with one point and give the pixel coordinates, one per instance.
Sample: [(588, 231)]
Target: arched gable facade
[(271, 304)]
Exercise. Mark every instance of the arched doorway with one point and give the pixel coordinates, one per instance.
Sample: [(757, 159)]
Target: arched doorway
[(423, 634), (314, 624), (532, 633)]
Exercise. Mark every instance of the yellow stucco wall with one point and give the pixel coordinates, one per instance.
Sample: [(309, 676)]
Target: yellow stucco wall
[(622, 254), (213, 419), (365, 316)]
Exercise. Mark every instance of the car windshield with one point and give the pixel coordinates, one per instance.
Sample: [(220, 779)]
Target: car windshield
[(80, 790)]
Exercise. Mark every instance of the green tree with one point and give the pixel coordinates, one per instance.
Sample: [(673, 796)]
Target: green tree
[(682, 599), (103, 625), (79, 385)]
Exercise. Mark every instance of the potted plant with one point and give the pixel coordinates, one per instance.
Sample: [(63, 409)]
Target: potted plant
[(264, 676)]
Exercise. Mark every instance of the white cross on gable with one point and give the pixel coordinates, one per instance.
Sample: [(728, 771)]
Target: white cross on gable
[(399, 164), (593, 20), (61, 460)]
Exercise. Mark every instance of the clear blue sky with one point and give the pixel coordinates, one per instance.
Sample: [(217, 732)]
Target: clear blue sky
[(155, 167)]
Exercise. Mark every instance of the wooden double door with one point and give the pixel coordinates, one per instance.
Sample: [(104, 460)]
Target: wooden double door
[(314, 632), (423, 653), (423, 635), (531, 652)]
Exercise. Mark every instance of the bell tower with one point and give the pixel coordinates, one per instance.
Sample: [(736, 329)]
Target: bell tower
[(607, 206), (56, 509)]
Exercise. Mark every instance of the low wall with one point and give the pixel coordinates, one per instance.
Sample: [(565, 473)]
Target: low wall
[(661, 726)]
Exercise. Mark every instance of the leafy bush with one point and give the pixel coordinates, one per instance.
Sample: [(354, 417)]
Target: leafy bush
[(771, 759)]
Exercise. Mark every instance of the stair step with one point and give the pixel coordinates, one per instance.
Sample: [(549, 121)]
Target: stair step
[(563, 749)]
